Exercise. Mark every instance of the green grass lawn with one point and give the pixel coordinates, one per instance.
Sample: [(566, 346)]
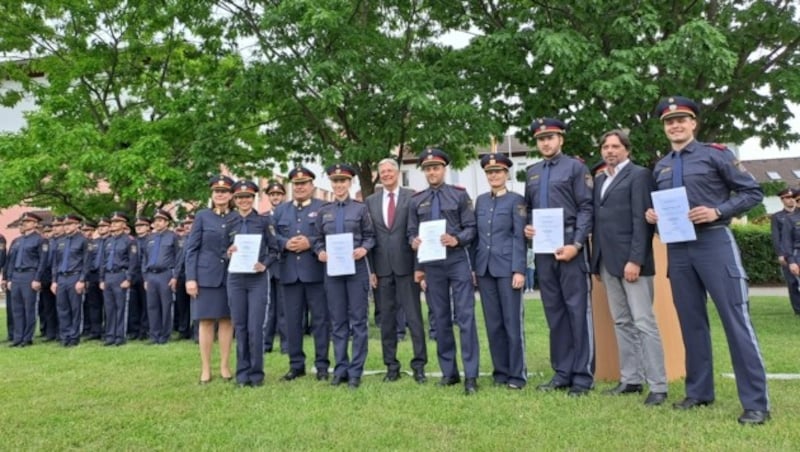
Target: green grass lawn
[(139, 397)]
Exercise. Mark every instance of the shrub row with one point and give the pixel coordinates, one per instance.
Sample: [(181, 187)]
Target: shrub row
[(759, 259)]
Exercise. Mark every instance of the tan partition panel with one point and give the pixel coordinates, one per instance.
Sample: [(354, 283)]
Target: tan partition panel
[(606, 357)]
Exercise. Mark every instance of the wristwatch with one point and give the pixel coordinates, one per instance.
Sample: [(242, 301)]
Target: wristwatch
[(578, 245)]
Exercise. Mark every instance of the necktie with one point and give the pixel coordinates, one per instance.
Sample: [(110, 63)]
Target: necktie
[(544, 185), (390, 211), (20, 249), (340, 218), (677, 169), (153, 258), (243, 229), (436, 208), (110, 259), (65, 256)]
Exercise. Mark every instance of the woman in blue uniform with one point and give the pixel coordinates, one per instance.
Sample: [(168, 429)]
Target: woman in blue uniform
[(347, 294), (247, 292), (206, 252), (499, 263)]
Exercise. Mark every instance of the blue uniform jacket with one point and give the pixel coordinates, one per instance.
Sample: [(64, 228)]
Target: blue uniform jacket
[(167, 257), (500, 250), (291, 220), (456, 209), (710, 173), (778, 228), (356, 220), (570, 188), (206, 248), (77, 256), (34, 249), (125, 257), (254, 223)]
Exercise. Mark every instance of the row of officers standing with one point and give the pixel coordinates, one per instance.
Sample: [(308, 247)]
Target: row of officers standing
[(486, 246)]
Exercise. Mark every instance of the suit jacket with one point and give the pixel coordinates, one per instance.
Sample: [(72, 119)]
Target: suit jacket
[(392, 253), (621, 233), (206, 248)]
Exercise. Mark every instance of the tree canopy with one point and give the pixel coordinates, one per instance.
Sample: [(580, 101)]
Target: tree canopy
[(150, 98)]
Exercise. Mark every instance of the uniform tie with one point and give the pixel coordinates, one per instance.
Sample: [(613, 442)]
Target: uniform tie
[(243, 229), (677, 169), (436, 208), (65, 256), (339, 217), (390, 211), (20, 249), (153, 259), (110, 260), (544, 185)]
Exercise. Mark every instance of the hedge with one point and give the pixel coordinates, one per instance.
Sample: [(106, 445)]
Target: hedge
[(760, 262)]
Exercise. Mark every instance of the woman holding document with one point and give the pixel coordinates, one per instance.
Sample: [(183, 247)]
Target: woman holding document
[(345, 236), (206, 268), (248, 284)]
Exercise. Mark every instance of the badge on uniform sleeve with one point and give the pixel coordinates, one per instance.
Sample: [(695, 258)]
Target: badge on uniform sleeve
[(739, 166), (522, 211), (589, 180)]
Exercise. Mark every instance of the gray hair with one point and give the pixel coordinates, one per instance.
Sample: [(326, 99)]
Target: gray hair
[(390, 161)]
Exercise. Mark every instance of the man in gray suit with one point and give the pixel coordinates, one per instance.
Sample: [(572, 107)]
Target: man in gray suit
[(392, 261), (622, 256)]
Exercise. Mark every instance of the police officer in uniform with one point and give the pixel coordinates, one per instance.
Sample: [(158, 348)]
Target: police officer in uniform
[(159, 259), (24, 273), (348, 302), (69, 268), (248, 292), (48, 314), (711, 263), (451, 276), (301, 274), (499, 265), (183, 320), (88, 229), (3, 255), (120, 267), (95, 315), (559, 181), (275, 321), (777, 222), (138, 323)]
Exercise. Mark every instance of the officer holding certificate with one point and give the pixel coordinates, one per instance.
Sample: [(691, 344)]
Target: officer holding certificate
[(348, 303)]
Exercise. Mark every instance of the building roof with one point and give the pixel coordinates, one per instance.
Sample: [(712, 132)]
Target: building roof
[(775, 170), (509, 143)]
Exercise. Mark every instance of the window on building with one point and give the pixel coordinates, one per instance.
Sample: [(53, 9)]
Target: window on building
[(773, 175), (404, 180), (796, 173)]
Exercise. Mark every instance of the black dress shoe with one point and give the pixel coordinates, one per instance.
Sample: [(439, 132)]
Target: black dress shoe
[(392, 375), (337, 380), (322, 374), (419, 376), (552, 385), (257, 384), (577, 391), (108, 343), (244, 384), (294, 373), (655, 398), (470, 386), (48, 339), (449, 381), (688, 403), (623, 388), (515, 387), (354, 383), (754, 417), (15, 344)]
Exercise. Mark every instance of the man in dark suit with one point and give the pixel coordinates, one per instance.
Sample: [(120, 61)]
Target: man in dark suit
[(622, 257), (392, 261)]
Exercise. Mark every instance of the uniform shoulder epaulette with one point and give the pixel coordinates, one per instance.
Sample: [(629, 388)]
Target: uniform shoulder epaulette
[(418, 193), (578, 158), (460, 187), (530, 166), (717, 146)]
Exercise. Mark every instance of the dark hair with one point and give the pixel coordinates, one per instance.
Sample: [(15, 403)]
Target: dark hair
[(619, 133)]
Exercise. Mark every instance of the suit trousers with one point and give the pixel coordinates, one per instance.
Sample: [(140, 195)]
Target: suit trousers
[(69, 308), (159, 305), (444, 279), (793, 284), (713, 263), (395, 294), (300, 295), (23, 306), (247, 297), (641, 355), (503, 313)]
